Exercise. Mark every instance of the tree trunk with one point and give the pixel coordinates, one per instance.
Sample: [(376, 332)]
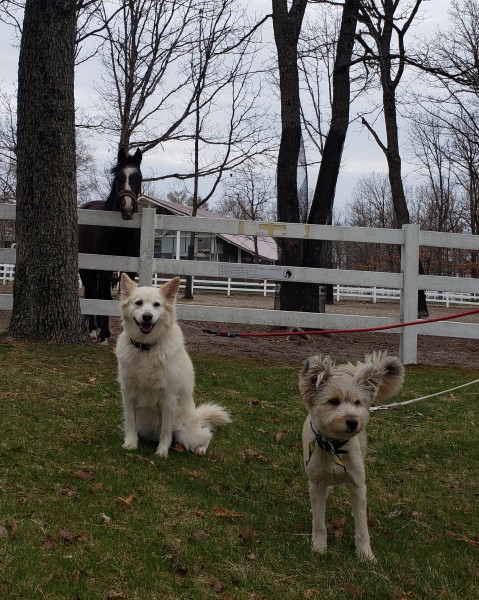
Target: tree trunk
[(393, 158), (46, 301), (317, 252), (287, 27)]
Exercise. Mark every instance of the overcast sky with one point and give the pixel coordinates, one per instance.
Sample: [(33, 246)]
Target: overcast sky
[(361, 156)]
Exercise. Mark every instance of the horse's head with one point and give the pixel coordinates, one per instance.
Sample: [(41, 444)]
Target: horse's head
[(127, 183)]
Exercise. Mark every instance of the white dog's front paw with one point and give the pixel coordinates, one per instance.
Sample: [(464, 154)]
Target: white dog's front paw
[(201, 450), (365, 553), (319, 545), (162, 451), (130, 443)]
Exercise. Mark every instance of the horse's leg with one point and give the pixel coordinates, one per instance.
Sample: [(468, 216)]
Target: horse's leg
[(104, 293), (90, 287)]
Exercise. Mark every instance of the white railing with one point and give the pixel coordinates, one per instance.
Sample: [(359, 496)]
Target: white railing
[(408, 280), (264, 288)]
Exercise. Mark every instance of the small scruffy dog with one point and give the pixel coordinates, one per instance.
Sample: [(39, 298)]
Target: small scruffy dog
[(338, 398), (156, 374)]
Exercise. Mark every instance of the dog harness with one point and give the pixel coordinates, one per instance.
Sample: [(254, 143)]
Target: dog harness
[(141, 346), (333, 447)]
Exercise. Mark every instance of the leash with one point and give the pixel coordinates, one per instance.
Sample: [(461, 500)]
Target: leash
[(232, 334), (394, 405)]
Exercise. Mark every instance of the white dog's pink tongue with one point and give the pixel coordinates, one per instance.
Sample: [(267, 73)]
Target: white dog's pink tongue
[(145, 327)]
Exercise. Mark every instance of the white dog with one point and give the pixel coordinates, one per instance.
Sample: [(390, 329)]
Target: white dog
[(156, 374), (334, 437)]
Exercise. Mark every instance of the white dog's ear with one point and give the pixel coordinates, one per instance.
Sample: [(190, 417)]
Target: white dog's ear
[(315, 371), (127, 285), (368, 376), (170, 289)]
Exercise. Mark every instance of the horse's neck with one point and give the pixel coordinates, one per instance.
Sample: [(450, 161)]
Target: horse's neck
[(111, 201)]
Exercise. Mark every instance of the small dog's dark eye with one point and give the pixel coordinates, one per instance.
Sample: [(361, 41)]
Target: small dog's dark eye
[(139, 303), (334, 402), (157, 305), (357, 403)]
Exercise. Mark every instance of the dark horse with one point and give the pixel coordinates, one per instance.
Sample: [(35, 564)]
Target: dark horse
[(112, 241)]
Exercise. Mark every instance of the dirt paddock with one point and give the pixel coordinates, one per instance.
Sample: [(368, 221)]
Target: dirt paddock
[(352, 346)]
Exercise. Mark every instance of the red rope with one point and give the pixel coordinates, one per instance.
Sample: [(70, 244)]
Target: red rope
[(223, 333)]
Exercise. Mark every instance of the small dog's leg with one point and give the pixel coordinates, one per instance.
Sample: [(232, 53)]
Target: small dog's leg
[(359, 509), (168, 411), (318, 492)]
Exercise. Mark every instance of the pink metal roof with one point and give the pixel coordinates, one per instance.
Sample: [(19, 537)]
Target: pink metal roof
[(267, 247)]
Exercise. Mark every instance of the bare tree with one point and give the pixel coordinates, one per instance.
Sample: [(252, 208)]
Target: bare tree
[(248, 194), (142, 80), (371, 206), (387, 23)]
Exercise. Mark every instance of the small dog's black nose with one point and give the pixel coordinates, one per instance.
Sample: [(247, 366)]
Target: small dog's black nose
[(147, 317), (352, 424)]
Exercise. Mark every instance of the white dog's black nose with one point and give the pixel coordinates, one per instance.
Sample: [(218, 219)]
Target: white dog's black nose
[(352, 424), (147, 317)]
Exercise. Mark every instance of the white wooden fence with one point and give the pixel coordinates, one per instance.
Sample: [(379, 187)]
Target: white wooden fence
[(408, 280)]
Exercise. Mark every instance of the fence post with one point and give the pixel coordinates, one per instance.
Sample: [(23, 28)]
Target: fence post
[(147, 246), (408, 302)]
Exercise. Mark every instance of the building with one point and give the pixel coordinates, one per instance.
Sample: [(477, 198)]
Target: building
[(209, 246)]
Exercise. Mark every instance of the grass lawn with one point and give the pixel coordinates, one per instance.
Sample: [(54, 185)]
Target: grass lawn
[(80, 518)]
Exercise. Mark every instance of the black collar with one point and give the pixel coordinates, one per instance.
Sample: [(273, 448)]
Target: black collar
[(141, 346), (331, 446)]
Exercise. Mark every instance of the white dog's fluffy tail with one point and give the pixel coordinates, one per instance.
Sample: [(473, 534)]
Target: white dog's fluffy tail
[(392, 371), (212, 414), (196, 429)]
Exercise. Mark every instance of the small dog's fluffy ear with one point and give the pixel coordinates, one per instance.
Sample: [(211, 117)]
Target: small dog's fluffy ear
[(392, 371), (127, 285), (316, 370), (170, 289), (368, 376)]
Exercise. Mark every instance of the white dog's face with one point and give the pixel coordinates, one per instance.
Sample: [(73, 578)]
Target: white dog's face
[(338, 398), (341, 409), (146, 309)]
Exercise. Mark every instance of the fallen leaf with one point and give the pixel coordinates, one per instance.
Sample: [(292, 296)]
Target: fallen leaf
[(106, 520), (338, 528), (67, 490), (92, 379), (3, 531), (462, 538), (182, 570), (199, 535), (251, 556), (65, 536), (310, 593), (248, 456), (47, 543), (225, 513), (126, 501), (195, 474), (351, 590), (246, 535), (255, 402), (83, 474), (115, 595), (218, 587), (279, 436), (96, 487)]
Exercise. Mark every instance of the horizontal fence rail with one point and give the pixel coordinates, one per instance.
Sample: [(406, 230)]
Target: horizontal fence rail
[(402, 286)]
